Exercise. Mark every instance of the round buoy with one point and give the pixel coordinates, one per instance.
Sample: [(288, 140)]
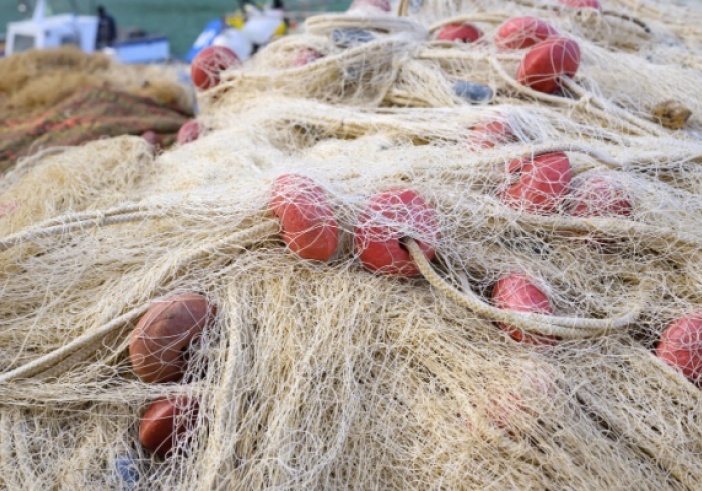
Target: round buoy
[(189, 132), (209, 63), (305, 56), (489, 134), (389, 217), (464, 33), (542, 184), (383, 5), (523, 32), (160, 340), (546, 62), (518, 292), (680, 346), (581, 4), (151, 137), (307, 221), (164, 422), (530, 391), (599, 196)]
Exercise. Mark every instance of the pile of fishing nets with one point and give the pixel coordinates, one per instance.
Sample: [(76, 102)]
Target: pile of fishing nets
[(378, 259), (65, 97)]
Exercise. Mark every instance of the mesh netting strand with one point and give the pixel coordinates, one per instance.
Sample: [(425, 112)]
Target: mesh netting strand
[(322, 374)]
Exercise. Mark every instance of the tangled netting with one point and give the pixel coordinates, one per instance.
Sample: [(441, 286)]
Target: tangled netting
[(386, 261), (37, 80)]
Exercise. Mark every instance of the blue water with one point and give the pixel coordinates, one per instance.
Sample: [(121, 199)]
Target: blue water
[(180, 20)]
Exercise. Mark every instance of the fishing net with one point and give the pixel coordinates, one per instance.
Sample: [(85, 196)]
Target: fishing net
[(399, 266), (66, 97), (39, 79)]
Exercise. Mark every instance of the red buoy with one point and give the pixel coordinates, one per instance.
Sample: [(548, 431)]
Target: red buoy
[(162, 336), (517, 292), (523, 32), (383, 5), (305, 56), (599, 195), (681, 346), (581, 4), (546, 62), (531, 390), (164, 422), (489, 134), (189, 132), (209, 63), (151, 137), (542, 184), (463, 33), (307, 221), (389, 217)]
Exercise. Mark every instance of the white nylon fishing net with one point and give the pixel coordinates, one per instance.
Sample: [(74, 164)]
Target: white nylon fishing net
[(407, 269)]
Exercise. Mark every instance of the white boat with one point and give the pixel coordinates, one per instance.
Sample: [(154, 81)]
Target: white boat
[(44, 31)]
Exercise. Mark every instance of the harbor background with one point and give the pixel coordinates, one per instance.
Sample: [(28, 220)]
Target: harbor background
[(180, 20)]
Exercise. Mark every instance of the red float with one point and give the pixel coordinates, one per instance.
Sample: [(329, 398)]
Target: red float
[(546, 62), (164, 422), (306, 56), (209, 63), (162, 336), (151, 137), (542, 184), (681, 346), (389, 217), (523, 32), (306, 216), (490, 134), (599, 196), (532, 390), (464, 33), (383, 5), (581, 4), (517, 292), (189, 132)]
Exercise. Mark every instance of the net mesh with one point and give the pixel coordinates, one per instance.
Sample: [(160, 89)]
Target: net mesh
[(529, 253)]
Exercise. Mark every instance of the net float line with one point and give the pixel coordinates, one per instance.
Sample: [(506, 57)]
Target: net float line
[(564, 327)]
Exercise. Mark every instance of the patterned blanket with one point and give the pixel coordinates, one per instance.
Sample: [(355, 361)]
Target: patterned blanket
[(86, 115)]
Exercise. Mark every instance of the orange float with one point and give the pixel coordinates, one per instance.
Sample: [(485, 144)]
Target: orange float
[(305, 56), (209, 63), (680, 346), (307, 221), (490, 134), (523, 32), (389, 217), (151, 137), (518, 292), (164, 422), (542, 183), (546, 62), (530, 391), (463, 33), (160, 341), (189, 132), (599, 196)]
